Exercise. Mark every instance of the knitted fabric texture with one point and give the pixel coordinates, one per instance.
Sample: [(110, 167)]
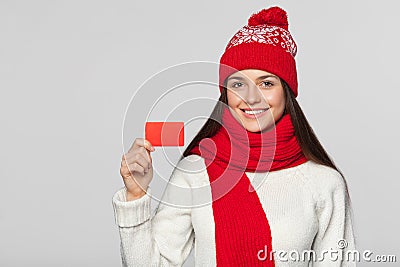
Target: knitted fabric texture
[(265, 44), (241, 225)]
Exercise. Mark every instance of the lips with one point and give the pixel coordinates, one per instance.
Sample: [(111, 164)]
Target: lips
[(253, 108), (253, 113)]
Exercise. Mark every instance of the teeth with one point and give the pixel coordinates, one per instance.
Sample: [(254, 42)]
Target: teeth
[(252, 112)]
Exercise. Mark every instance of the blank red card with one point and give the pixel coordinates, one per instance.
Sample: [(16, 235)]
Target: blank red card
[(165, 133)]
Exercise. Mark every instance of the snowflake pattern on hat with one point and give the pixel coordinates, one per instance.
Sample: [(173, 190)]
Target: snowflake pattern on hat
[(266, 34)]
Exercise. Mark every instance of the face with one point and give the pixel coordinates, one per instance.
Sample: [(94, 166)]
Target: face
[(256, 98)]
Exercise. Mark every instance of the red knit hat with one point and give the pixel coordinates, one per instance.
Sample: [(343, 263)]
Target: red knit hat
[(265, 44)]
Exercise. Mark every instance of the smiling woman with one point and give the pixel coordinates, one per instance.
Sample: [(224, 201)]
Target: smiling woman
[(256, 175)]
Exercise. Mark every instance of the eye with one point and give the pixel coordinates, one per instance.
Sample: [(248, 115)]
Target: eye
[(266, 84), (236, 84)]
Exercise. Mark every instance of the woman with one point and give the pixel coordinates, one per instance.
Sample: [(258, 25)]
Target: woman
[(275, 198)]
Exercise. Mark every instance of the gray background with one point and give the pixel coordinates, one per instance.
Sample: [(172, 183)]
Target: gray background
[(68, 70)]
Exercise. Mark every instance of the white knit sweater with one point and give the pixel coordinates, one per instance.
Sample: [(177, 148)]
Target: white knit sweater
[(306, 207)]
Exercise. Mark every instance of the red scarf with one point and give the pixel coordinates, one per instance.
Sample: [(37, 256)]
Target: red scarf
[(241, 225)]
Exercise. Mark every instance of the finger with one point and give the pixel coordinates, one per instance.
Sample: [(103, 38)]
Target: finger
[(130, 156), (141, 142), (141, 159), (123, 170), (135, 167), (145, 153), (126, 158), (148, 145), (138, 142)]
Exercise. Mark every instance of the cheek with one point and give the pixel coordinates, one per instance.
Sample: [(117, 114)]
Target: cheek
[(275, 98), (233, 99)]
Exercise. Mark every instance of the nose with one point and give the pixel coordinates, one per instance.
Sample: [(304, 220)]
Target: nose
[(253, 95)]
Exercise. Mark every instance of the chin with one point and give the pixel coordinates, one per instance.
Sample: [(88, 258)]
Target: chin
[(257, 128), (261, 125), (254, 130)]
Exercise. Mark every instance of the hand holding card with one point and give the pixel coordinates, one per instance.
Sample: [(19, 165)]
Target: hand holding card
[(137, 168)]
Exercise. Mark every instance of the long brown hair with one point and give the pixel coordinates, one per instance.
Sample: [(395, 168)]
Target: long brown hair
[(308, 141)]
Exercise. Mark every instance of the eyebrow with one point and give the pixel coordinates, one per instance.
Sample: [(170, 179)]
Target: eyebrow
[(259, 78)]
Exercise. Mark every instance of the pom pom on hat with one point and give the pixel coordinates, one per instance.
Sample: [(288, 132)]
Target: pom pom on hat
[(273, 16)]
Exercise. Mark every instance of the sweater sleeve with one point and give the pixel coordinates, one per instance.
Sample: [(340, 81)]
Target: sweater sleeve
[(334, 243), (164, 239)]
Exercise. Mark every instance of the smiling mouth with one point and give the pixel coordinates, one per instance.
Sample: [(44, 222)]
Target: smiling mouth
[(253, 112)]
